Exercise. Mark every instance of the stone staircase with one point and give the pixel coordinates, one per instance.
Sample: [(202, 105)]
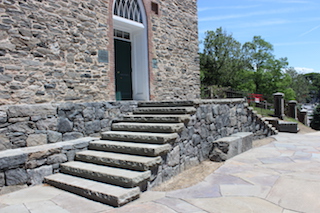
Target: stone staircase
[(117, 168)]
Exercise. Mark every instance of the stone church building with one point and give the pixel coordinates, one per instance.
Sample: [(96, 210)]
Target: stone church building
[(54, 51)]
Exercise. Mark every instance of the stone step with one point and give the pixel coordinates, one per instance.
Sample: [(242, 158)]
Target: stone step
[(166, 103), (148, 127), (101, 192), (155, 118), (105, 174), (165, 110), (140, 137), (133, 162), (143, 149)]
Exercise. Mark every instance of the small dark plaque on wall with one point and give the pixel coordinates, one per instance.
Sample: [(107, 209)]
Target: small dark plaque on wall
[(103, 56)]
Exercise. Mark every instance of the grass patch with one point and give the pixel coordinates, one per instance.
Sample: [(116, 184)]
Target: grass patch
[(263, 112)]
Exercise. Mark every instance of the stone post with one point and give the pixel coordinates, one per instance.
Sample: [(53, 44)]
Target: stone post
[(279, 105), (293, 109), (303, 117)]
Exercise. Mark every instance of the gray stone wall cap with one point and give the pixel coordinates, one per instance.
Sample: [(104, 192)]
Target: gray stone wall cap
[(293, 102), (221, 101), (242, 134), (278, 94), (228, 139)]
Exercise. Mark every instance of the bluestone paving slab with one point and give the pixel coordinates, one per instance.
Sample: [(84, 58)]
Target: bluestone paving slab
[(244, 190), (236, 204), (151, 207), (201, 190), (179, 205), (45, 206), (74, 203), (296, 194), (16, 208), (31, 194)]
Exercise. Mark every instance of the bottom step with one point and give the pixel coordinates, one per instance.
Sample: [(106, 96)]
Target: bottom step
[(102, 192)]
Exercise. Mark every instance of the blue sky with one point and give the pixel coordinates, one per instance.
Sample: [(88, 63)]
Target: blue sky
[(291, 26)]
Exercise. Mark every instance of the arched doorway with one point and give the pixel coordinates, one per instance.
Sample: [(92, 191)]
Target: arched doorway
[(131, 50)]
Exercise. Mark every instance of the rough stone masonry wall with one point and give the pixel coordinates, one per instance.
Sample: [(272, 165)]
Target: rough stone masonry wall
[(38, 124), (40, 127), (49, 51), (214, 119), (175, 43), (29, 166), (52, 51)]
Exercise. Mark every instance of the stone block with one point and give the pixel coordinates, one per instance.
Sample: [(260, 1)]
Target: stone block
[(36, 176), (92, 127), (31, 110), (64, 125), (173, 158), (47, 124), (71, 136), (54, 136), (12, 158), (2, 179), (3, 117), (36, 139), (16, 177), (57, 158)]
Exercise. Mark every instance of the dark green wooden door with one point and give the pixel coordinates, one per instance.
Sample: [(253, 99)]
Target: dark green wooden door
[(123, 70)]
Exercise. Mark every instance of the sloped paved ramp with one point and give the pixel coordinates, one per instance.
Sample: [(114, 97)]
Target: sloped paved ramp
[(283, 177)]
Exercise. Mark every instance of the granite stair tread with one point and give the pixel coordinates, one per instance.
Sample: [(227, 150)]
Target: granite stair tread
[(145, 118), (164, 110), (148, 127), (143, 149), (141, 137), (134, 162), (105, 174), (101, 192)]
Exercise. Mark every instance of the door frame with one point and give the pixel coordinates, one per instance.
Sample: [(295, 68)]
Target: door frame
[(139, 54)]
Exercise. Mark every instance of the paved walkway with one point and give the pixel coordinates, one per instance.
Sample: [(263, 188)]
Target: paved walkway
[(283, 177)]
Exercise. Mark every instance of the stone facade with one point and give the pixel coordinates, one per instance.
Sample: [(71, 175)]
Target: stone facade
[(175, 41), (50, 51)]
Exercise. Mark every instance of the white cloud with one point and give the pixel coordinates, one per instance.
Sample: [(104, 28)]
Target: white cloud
[(304, 70), (201, 9), (309, 31), (258, 13), (295, 43)]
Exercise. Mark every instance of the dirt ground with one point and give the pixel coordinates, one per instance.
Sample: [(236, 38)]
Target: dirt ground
[(198, 173)]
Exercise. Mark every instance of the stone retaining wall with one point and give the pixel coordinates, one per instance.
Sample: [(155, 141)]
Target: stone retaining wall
[(214, 119), (32, 125), (30, 165), (44, 125)]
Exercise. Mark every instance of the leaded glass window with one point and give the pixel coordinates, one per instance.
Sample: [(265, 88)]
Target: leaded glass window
[(128, 9)]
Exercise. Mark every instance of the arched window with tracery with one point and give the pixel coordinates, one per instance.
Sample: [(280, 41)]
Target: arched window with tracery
[(128, 9)]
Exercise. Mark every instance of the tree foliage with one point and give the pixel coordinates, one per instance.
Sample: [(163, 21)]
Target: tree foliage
[(249, 67), (315, 122), (314, 86)]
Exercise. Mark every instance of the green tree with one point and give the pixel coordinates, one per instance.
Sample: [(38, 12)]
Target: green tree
[(315, 122), (300, 85), (267, 71), (221, 59), (314, 80)]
